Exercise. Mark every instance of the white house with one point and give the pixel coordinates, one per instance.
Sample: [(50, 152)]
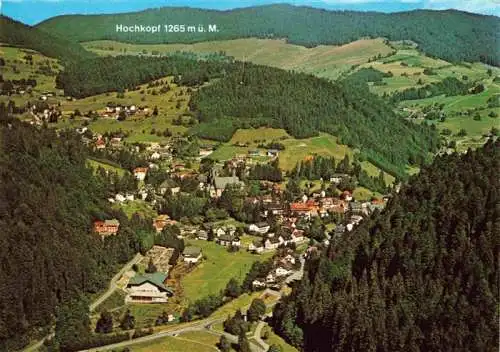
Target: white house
[(130, 197), (140, 173), (256, 246), (228, 240), (192, 254), (119, 197), (257, 284), (148, 288), (260, 228), (270, 278), (282, 272), (155, 156), (273, 242), (297, 235)]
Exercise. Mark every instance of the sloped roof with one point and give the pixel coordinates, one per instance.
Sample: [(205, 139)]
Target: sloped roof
[(156, 279), (222, 182), (192, 251)]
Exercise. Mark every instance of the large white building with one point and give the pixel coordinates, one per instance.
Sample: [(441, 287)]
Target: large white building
[(148, 288)]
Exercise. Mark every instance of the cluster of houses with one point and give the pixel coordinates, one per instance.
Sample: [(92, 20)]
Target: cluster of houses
[(152, 287), (112, 110), (270, 241), (284, 266)]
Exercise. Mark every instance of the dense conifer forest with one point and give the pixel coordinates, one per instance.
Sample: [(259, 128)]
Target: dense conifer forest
[(450, 35), (49, 256), (99, 75), (420, 276), (18, 34)]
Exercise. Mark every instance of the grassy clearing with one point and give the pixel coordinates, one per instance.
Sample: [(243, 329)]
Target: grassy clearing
[(213, 273), (97, 164), (242, 302), (324, 60), (411, 62), (136, 206), (173, 344), (117, 299), (274, 339), (297, 150), (458, 102), (201, 337), (170, 105), (372, 170), (247, 239), (250, 136), (364, 194), (16, 68)]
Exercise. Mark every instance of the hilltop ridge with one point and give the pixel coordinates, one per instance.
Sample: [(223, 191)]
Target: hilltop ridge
[(451, 35)]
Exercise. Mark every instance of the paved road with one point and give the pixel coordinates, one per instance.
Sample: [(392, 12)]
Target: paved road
[(112, 285), (202, 325), (257, 334)]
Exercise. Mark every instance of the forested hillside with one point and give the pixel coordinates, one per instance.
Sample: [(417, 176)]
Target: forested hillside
[(18, 34), (450, 35), (251, 95), (420, 276), (304, 105), (94, 76), (48, 200)]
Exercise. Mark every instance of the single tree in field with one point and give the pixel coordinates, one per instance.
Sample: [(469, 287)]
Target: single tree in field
[(151, 267), (128, 321), (105, 323)]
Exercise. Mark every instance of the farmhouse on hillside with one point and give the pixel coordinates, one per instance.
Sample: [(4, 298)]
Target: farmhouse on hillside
[(148, 288)]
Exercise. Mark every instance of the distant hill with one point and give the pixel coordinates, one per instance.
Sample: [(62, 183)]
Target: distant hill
[(18, 34), (450, 35)]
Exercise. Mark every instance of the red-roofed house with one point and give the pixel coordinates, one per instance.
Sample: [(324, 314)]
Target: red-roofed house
[(106, 227), (347, 196), (100, 144), (140, 173)]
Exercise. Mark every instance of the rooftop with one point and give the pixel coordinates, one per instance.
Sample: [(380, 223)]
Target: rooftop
[(156, 279), (192, 251)]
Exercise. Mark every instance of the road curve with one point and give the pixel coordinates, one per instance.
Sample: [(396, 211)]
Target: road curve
[(112, 284)]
